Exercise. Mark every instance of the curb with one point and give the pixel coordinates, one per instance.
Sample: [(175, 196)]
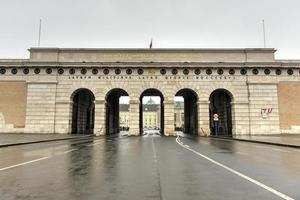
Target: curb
[(258, 141), (42, 141)]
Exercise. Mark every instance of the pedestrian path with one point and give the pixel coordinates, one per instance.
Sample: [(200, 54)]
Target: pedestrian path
[(7, 139), (292, 140)]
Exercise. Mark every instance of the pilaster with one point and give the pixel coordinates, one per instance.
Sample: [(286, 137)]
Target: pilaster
[(169, 128), (203, 118), (99, 128), (134, 117)]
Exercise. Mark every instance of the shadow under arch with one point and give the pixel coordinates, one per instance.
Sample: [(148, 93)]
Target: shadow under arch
[(113, 110), (83, 111), (190, 111), (160, 118), (220, 106)]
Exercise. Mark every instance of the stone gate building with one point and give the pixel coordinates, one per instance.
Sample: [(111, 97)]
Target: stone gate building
[(67, 91)]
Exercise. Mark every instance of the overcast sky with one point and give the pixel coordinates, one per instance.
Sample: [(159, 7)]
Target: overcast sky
[(131, 24)]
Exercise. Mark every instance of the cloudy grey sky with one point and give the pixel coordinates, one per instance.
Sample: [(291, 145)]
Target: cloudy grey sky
[(131, 23)]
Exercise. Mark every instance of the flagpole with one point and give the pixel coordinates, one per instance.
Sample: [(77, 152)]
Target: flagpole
[(264, 33), (150, 46), (40, 31)]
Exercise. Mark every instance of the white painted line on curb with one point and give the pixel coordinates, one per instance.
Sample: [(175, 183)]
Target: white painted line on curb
[(281, 150), (279, 194), (262, 147), (298, 150), (24, 163)]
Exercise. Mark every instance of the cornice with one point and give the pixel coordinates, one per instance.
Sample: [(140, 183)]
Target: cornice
[(150, 64), (154, 50)]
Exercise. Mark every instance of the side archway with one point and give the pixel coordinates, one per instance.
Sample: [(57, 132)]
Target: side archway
[(83, 111), (220, 112), (113, 110), (186, 111)]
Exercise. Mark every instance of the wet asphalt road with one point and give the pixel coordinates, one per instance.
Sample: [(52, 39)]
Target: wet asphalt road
[(150, 167)]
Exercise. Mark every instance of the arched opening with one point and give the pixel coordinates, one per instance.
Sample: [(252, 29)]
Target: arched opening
[(83, 112), (117, 111), (220, 113), (151, 112), (185, 112)]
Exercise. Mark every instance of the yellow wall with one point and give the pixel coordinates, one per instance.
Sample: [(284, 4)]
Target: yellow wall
[(289, 104), (124, 119), (151, 119), (13, 101)]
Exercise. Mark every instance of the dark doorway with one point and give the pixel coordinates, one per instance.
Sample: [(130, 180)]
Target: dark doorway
[(83, 112), (220, 104), (116, 111), (186, 112), (151, 112)]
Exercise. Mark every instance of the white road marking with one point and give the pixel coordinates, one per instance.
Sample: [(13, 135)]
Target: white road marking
[(241, 153), (43, 158), (204, 142), (279, 194), (60, 147), (93, 144), (24, 163), (68, 151)]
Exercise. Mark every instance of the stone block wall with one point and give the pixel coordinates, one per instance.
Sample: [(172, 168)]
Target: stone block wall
[(49, 99), (49, 104), (264, 96), (40, 107)]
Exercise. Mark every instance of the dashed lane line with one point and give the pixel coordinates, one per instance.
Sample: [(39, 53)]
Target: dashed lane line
[(157, 170), (68, 151), (241, 153), (36, 160), (46, 157), (277, 193), (24, 163), (93, 144)]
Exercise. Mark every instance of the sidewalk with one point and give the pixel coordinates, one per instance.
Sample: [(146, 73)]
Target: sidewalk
[(12, 139), (281, 140)]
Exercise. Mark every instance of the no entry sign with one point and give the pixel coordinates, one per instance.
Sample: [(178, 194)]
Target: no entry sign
[(216, 117)]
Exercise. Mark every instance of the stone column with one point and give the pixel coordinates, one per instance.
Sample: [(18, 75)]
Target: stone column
[(134, 115), (99, 128), (169, 129), (203, 118)]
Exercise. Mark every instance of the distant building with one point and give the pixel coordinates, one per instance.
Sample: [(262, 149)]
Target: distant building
[(124, 116), (151, 115), (179, 115)]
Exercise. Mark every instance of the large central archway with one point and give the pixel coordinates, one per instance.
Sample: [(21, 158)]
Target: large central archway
[(151, 111), (83, 112), (186, 114), (220, 105), (113, 110)]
